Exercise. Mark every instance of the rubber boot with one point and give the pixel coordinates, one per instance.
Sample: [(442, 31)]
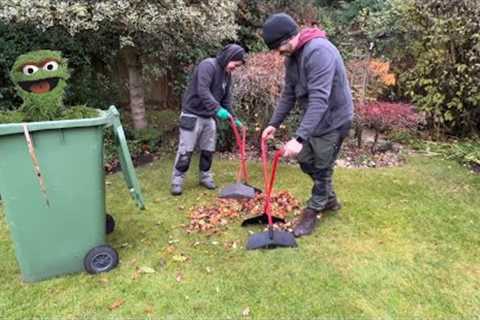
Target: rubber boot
[(307, 223), (176, 187), (206, 180)]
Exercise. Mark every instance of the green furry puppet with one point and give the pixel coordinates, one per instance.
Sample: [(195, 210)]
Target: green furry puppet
[(40, 78)]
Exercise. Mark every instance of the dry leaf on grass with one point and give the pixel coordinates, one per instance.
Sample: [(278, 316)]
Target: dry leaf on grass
[(179, 277), (196, 244), (148, 310), (117, 304), (180, 258), (103, 280), (136, 275), (146, 270), (170, 249)]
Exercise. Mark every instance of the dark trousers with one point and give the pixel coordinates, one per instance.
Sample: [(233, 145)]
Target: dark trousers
[(317, 159)]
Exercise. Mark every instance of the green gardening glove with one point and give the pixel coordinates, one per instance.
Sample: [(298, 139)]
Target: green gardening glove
[(223, 114), (239, 123)]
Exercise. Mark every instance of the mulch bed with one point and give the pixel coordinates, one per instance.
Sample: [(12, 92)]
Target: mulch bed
[(387, 155), (351, 156)]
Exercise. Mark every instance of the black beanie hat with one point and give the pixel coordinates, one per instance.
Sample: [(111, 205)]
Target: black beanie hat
[(277, 28)]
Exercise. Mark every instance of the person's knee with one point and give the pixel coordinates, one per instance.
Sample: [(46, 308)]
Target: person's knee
[(206, 158), (322, 175), (183, 162), (318, 173), (307, 167)]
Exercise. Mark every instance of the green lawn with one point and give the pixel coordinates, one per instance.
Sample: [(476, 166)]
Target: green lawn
[(406, 244)]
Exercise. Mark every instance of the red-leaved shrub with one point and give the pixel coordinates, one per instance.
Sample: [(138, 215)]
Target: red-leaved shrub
[(384, 117)]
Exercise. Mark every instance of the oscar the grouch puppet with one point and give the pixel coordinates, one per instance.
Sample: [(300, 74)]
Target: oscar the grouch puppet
[(40, 78)]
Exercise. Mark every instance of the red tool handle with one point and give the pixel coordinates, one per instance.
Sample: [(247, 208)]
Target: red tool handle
[(244, 158), (264, 151), (241, 144), (269, 181)]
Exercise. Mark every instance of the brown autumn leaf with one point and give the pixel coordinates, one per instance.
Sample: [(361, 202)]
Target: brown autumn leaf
[(179, 277), (117, 304), (170, 249), (148, 310), (180, 258), (146, 269), (196, 244), (136, 274), (103, 280)]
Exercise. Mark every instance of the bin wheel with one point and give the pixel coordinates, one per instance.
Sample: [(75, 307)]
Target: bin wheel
[(100, 259), (110, 224)]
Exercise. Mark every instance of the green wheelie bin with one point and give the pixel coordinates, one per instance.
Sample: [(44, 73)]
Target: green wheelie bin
[(52, 182)]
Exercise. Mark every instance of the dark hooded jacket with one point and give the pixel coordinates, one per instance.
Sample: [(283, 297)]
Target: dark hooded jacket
[(209, 88)]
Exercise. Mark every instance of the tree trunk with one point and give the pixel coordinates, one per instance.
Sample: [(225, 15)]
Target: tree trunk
[(365, 77), (136, 91), (358, 133), (363, 97), (373, 150)]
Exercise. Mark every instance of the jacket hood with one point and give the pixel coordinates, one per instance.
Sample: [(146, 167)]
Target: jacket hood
[(308, 34), (231, 52)]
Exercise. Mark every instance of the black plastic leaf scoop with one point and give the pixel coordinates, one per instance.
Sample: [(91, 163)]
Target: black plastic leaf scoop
[(271, 238)]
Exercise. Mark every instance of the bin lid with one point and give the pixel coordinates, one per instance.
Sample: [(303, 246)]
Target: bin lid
[(104, 118), (125, 158)]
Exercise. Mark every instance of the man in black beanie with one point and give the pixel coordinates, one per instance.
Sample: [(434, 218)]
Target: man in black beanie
[(316, 79)]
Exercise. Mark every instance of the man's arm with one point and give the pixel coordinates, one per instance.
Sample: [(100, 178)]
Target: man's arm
[(227, 98), (320, 71), (205, 76), (285, 105)]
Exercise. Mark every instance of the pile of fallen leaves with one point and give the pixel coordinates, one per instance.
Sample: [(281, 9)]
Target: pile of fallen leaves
[(217, 216)]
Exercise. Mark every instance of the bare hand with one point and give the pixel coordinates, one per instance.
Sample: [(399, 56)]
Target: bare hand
[(268, 133), (292, 148)]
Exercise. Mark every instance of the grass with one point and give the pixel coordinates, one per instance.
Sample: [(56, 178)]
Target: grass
[(405, 245)]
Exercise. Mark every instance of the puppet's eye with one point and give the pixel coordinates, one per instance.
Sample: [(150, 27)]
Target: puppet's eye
[(29, 69), (50, 66)]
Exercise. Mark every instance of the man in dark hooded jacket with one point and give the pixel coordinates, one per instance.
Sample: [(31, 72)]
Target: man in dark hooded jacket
[(316, 79), (207, 96)]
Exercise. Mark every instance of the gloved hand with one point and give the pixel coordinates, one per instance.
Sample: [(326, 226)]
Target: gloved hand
[(239, 123), (292, 148), (223, 114), (269, 132)]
